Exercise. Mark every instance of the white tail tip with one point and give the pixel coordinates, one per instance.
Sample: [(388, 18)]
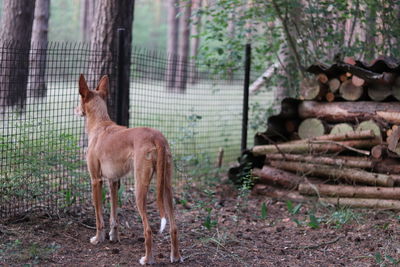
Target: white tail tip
[(163, 223)]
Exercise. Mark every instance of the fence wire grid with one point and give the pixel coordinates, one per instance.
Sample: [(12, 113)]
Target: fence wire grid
[(42, 141)]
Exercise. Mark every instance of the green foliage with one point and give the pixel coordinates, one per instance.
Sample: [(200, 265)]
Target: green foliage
[(293, 210), (342, 216), (209, 223), (314, 222), (318, 30), (40, 160), (264, 211)]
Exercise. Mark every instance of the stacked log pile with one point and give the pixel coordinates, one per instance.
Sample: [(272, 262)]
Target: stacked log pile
[(338, 141)]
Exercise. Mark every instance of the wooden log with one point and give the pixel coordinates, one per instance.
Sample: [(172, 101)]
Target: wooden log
[(369, 125), (350, 92), (396, 88), (357, 81), (322, 78), (363, 203), (379, 91), (389, 78), (350, 175), (365, 134), (310, 128), (307, 147), (334, 85), (341, 128), (330, 97), (343, 78), (379, 151), (388, 166), (393, 140), (280, 194), (311, 89), (349, 191), (350, 112), (352, 163), (273, 176)]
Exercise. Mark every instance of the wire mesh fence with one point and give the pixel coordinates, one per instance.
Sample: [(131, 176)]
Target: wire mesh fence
[(42, 142)]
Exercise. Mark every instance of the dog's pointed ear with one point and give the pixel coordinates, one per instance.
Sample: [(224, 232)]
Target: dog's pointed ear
[(83, 87), (102, 88)]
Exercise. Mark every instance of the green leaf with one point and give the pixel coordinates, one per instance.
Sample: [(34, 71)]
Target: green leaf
[(263, 211), (314, 223), (296, 209)]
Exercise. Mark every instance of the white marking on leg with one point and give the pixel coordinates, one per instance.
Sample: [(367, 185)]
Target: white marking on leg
[(163, 223)]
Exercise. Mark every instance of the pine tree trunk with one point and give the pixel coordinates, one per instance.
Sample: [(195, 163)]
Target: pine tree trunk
[(195, 42), (15, 36), (37, 84), (184, 47), (172, 44), (109, 16), (87, 13)]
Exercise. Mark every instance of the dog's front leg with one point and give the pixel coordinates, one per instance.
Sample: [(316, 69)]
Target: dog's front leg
[(114, 185), (97, 202)]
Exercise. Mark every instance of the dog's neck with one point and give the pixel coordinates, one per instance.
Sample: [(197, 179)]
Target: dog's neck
[(97, 117)]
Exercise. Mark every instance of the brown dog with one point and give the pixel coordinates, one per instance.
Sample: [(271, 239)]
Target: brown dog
[(112, 153)]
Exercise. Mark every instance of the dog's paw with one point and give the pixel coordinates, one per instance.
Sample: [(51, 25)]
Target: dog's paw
[(98, 238), (144, 261), (175, 259), (114, 236)]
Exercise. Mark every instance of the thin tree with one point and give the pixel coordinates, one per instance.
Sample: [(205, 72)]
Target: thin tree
[(37, 85), (110, 15), (16, 29), (87, 13), (172, 43), (184, 48), (195, 40)]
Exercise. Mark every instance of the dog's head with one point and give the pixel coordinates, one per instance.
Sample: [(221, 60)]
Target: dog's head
[(91, 96)]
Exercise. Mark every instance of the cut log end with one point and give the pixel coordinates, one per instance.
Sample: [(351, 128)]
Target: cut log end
[(350, 92), (310, 128)]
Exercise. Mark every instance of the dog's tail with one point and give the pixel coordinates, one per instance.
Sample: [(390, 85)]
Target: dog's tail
[(164, 189)]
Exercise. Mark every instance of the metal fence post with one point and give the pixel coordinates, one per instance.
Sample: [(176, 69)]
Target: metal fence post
[(247, 64), (121, 88)]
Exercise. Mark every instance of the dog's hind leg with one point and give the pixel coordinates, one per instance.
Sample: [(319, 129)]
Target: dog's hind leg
[(143, 174), (168, 200), (114, 185), (97, 183)]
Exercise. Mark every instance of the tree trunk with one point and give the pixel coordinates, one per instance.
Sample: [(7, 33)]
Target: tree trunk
[(195, 41), (184, 46), (274, 176), (109, 16), (363, 203), (87, 13), (349, 191), (15, 36), (352, 163), (37, 84), (304, 148), (348, 174), (351, 111), (172, 43)]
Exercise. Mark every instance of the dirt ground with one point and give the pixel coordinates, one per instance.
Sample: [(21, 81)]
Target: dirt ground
[(219, 226)]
